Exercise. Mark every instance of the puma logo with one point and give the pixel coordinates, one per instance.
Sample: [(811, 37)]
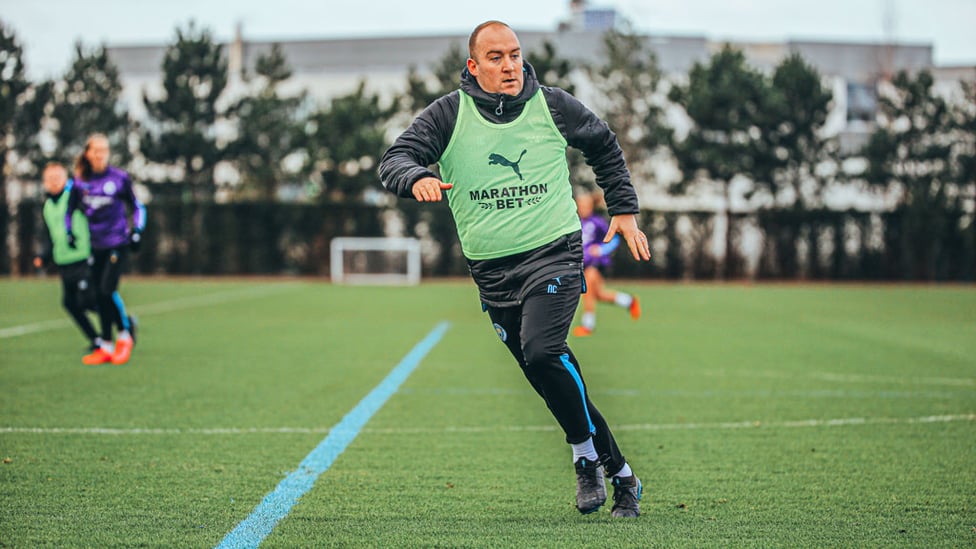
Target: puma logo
[(495, 158)]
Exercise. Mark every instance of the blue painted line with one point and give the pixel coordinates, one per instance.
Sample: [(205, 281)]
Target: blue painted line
[(276, 505)]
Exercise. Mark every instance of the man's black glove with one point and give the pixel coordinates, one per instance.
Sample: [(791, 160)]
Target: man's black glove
[(135, 241), (71, 240)]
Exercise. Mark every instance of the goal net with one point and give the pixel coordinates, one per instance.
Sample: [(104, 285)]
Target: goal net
[(375, 260)]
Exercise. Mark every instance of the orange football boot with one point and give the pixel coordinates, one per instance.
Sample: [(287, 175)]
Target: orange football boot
[(99, 356), (123, 348), (582, 331)]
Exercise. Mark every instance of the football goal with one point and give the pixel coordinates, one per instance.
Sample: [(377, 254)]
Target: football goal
[(375, 260)]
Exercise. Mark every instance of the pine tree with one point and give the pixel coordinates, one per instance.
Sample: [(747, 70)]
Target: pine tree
[(550, 68), (345, 141), (21, 114), (13, 88), (909, 155), (87, 101), (628, 82), (22, 105), (728, 104), (964, 154), (269, 129), (181, 127), (446, 72), (801, 105), (964, 124), (804, 162)]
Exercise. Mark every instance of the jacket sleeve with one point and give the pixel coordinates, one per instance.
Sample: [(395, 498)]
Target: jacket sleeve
[(587, 132), (138, 208), (419, 146), (46, 253), (74, 202)]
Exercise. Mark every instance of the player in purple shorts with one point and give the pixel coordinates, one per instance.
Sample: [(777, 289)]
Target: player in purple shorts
[(596, 258), (104, 193)]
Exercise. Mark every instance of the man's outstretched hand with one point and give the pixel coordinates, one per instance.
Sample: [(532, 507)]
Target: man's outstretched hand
[(626, 225), (429, 189)]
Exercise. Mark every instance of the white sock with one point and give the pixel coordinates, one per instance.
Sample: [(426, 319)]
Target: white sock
[(624, 300), (589, 320), (625, 472), (124, 334), (584, 449)]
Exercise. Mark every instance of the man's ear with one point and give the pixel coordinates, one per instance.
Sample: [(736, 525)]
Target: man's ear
[(472, 67)]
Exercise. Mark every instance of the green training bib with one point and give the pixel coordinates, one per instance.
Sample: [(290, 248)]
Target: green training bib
[(511, 181), (54, 212)]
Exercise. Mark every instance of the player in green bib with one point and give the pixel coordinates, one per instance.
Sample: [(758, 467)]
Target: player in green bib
[(72, 256), (500, 143)]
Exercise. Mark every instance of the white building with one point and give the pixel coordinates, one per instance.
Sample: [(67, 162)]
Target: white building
[(329, 67)]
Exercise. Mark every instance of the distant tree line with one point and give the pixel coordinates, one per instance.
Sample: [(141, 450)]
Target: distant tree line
[(747, 138)]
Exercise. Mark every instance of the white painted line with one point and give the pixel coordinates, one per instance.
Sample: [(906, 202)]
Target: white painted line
[(156, 308), (214, 299), (42, 326), (839, 422), (848, 378)]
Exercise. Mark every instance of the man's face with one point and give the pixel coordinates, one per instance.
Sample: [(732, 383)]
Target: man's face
[(97, 154), (54, 178), (498, 61)]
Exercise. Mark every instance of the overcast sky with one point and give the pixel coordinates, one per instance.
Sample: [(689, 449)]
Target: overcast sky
[(48, 28)]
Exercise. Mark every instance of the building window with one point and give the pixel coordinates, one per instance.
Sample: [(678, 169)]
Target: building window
[(862, 102)]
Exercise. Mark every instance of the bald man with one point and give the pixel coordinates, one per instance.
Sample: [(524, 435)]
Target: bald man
[(500, 145)]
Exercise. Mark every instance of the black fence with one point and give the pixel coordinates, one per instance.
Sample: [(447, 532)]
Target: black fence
[(269, 239)]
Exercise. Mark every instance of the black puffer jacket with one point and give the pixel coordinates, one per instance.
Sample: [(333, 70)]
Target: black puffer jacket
[(505, 281), (422, 144)]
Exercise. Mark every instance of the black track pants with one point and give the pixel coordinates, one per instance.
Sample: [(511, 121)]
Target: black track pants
[(77, 295), (535, 333), (106, 272)]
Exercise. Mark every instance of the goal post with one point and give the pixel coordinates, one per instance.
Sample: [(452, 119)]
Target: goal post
[(375, 260)]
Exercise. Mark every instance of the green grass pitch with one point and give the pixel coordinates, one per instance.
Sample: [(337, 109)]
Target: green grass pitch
[(765, 415)]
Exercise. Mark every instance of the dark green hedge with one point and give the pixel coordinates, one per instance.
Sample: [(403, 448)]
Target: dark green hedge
[(269, 238)]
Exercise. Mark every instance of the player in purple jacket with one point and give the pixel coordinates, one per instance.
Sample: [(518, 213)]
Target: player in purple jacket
[(596, 258), (104, 193)]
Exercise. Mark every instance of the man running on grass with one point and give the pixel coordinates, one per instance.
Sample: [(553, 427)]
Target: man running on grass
[(500, 142), (73, 259)]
